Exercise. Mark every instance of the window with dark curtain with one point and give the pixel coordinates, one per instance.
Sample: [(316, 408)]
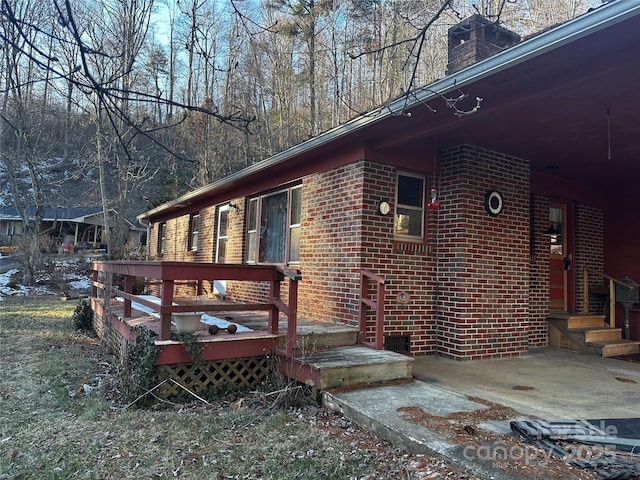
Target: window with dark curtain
[(273, 228)]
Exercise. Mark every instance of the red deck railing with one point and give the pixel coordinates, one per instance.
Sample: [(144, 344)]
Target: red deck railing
[(372, 302), (167, 274)]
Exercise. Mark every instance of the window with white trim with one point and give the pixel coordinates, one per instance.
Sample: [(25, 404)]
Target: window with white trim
[(162, 229), (409, 213), (222, 235), (273, 227), (194, 229)]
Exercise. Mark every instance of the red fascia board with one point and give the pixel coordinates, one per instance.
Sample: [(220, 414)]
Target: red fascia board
[(239, 345)]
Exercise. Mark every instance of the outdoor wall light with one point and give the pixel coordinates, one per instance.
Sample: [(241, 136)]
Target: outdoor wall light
[(433, 199), (552, 231), (235, 207)]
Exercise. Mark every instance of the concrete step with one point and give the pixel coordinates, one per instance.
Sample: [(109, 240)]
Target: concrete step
[(348, 366), (614, 348)]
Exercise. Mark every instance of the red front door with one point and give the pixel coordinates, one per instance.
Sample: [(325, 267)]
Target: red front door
[(558, 257)]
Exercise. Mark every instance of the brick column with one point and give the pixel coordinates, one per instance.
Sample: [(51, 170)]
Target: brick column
[(483, 261)]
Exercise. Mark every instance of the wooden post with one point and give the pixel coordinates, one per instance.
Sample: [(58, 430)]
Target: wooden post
[(166, 300), (94, 287), (128, 288), (585, 290), (612, 304), (274, 313), (362, 321), (380, 316), (292, 321)]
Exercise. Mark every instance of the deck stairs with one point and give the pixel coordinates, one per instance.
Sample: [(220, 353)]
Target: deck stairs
[(328, 356), (588, 334)]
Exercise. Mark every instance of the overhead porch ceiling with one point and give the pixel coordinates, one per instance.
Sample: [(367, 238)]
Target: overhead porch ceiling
[(576, 107)]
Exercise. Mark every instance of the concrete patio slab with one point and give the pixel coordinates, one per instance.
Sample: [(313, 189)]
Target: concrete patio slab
[(547, 383)]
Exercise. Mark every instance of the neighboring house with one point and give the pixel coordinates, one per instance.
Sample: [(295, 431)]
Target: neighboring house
[(481, 223), (68, 228)]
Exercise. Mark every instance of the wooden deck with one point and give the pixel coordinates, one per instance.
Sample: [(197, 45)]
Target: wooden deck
[(327, 355), (323, 355)]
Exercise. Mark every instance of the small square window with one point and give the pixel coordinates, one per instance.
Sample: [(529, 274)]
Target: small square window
[(409, 213)]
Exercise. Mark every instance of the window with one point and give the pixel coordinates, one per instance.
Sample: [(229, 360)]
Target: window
[(409, 214), (222, 234), (273, 227), (162, 228), (194, 228)]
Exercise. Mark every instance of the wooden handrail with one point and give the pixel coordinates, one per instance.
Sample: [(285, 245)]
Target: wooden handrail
[(612, 292), (168, 274), (376, 304)]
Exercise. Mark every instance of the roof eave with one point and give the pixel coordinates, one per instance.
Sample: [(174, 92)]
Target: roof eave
[(588, 23)]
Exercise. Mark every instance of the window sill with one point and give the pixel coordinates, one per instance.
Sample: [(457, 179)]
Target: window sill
[(405, 246)]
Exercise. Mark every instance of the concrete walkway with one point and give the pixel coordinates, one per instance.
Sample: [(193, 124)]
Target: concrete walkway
[(549, 384)]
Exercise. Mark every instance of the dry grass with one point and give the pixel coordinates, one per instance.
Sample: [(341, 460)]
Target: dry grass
[(51, 429)]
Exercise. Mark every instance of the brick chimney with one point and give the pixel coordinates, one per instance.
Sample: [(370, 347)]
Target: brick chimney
[(475, 39)]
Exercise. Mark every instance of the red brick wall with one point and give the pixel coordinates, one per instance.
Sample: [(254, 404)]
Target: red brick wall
[(483, 300), (331, 243), (407, 267), (589, 252), (477, 289), (539, 273), (344, 233)]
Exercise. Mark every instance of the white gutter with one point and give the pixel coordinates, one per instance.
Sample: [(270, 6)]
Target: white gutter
[(584, 25)]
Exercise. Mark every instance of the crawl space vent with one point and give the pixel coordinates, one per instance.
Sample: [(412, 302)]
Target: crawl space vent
[(397, 343)]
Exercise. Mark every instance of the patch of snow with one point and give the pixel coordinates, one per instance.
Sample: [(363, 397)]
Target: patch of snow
[(206, 318), (17, 289)]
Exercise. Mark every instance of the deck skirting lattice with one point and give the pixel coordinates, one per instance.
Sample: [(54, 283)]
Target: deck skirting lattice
[(213, 376)]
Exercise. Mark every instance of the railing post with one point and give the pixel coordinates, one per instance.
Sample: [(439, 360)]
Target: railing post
[(166, 300), (380, 316), (94, 287), (362, 321), (376, 304), (612, 304), (585, 290), (292, 320), (128, 288), (274, 313)]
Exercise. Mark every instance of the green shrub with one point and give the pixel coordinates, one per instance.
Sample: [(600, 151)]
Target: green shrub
[(83, 316), (140, 374)]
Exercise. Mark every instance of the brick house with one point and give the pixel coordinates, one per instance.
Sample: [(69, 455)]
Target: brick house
[(481, 221)]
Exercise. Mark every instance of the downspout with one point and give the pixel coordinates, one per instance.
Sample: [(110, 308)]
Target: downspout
[(436, 182)]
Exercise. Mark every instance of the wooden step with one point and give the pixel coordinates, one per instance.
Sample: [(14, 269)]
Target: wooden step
[(349, 366), (313, 337), (576, 321), (588, 334), (614, 348), (594, 335)]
